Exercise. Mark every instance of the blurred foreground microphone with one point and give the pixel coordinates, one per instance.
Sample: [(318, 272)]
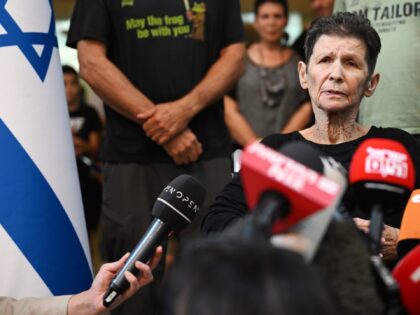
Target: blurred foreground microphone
[(410, 225), (381, 178), (407, 274), (312, 199), (175, 208), (282, 188), (313, 228)]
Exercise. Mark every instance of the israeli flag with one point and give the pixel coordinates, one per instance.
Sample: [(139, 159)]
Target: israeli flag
[(43, 241)]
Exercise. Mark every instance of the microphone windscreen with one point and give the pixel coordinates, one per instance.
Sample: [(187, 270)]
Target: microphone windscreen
[(407, 274), (266, 170), (179, 202), (313, 228), (410, 225), (381, 172), (382, 161)]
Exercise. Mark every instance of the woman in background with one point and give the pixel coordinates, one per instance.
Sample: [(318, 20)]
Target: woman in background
[(268, 97)]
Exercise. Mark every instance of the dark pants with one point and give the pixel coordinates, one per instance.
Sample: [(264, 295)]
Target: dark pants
[(129, 192)]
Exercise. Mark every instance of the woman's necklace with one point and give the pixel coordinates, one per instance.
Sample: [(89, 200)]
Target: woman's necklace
[(271, 88)]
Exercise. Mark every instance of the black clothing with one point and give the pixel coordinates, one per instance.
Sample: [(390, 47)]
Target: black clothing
[(165, 55), (230, 203), (85, 120), (164, 48)]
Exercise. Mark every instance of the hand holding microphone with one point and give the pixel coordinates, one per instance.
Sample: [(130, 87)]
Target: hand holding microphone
[(390, 236), (175, 208)]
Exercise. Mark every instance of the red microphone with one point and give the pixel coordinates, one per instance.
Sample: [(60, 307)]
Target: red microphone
[(272, 180), (379, 166), (407, 274), (410, 225), (381, 178)]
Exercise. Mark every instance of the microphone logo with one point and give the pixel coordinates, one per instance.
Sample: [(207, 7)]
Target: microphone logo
[(178, 194), (415, 198), (415, 276), (293, 174), (386, 163)]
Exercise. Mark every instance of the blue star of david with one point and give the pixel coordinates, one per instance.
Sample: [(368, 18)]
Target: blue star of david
[(25, 40)]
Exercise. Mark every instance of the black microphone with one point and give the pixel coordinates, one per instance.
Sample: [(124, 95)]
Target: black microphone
[(176, 207)]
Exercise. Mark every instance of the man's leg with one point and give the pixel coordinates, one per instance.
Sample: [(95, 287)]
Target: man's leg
[(129, 193)]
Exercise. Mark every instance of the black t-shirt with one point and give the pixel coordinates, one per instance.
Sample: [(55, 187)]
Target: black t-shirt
[(84, 120), (230, 203), (164, 50)]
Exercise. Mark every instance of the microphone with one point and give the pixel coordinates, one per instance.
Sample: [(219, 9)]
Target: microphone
[(282, 188), (341, 257), (410, 225), (175, 208), (381, 178), (313, 228), (407, 274)]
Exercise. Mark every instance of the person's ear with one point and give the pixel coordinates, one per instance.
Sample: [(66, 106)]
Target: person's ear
[(371, 85), (302, 75)]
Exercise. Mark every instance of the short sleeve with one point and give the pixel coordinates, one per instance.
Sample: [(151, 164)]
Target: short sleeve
[(233, 26), (90, 20), (94, 121)]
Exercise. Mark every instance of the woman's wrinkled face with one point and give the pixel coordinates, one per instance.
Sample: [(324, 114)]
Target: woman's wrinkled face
[(270, 21), (337, 75)]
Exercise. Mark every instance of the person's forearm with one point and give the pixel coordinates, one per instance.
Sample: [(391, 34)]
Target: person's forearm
[(239, 128), (112, 86), (82, 304), (218, 80)]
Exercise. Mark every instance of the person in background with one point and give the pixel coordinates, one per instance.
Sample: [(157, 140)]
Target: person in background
[(341, 51), (86, 131), (162, 70), (397, 99), (319, 8), (88, 302), (268, 97)]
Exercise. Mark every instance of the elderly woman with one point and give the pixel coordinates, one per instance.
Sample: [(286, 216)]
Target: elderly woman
[(341, 53)]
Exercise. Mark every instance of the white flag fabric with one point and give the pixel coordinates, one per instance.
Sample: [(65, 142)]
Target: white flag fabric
[(43, 241)]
